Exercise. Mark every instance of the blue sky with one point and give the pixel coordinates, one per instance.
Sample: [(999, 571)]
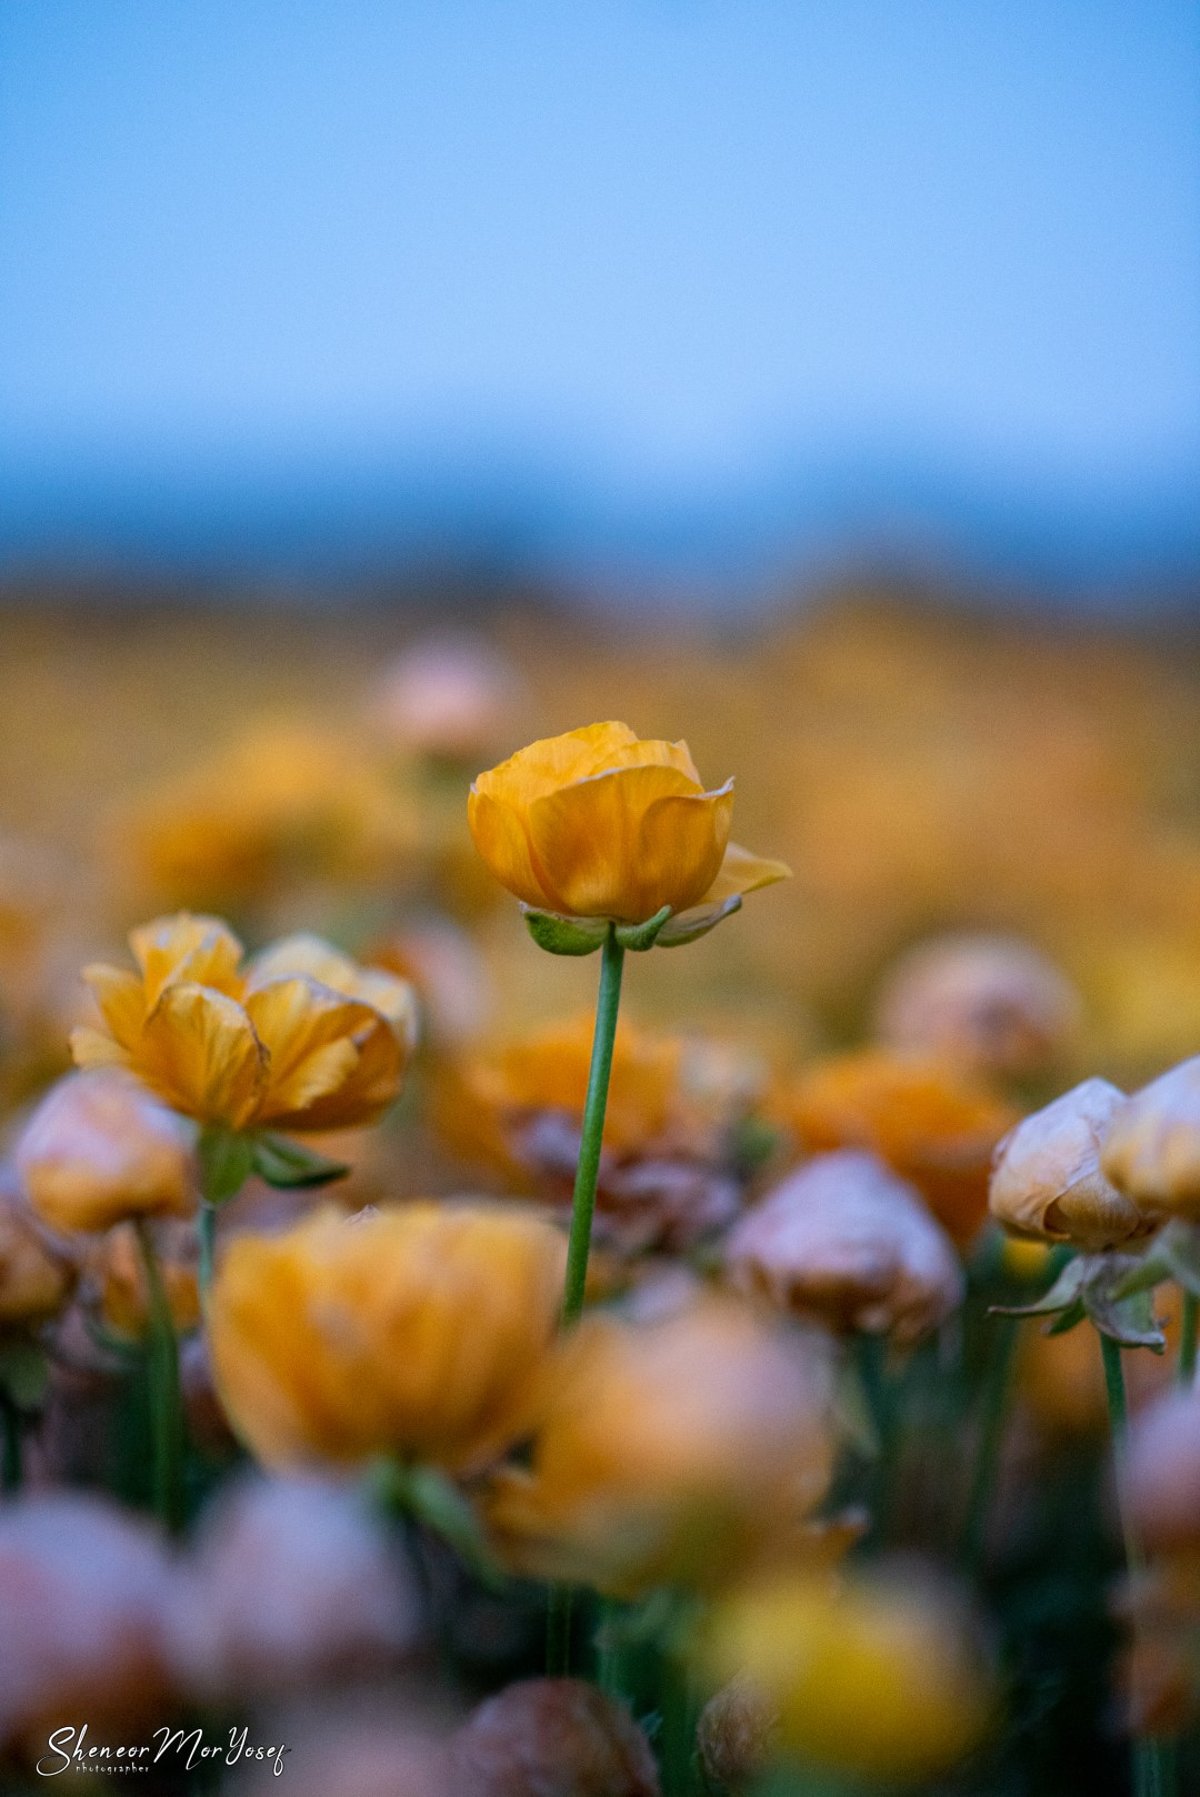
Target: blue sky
[(665, 243)]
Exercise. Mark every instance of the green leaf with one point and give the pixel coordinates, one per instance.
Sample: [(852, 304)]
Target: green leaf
[(565, 935), (641, 936), (690, 925), (1064, 1293), (436, 1501), (1178, 1248), (226, 1160), (284, 1163), (23, 1373)]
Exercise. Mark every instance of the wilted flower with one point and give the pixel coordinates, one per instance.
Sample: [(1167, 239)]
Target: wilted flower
[(1151, 1148), (1048, 1180), (556, 1737), (668, 1168), (85, 1595), (675, 1451), (411, 1331), (299, 1038), (993, 1004), (845, 1242), (292, 1583), (873, 1677), (599, 825), (737, 1735), (118, 1271), (99, 1149), (35, 1276), (931, 1126)]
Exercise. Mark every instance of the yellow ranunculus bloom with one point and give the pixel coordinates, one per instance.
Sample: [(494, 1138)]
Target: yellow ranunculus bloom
[(413, 1330), (597, 824), (300, 1038), (99, 1149), (677, 1452), (874, 1678)]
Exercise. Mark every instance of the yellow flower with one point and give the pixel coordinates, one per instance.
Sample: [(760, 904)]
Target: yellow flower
[(1152, 1145), (874, 1678), (599, 825), (298, 1039), (412, 1330), (674, 1452), (99, 1149)]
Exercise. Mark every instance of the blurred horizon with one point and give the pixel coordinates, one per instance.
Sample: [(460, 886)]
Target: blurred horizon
[(702, 299)]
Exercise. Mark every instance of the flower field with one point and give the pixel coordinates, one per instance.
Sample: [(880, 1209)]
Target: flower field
[(591, 1213)]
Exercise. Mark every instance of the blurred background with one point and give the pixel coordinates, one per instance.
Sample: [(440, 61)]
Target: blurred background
[(818, 383)]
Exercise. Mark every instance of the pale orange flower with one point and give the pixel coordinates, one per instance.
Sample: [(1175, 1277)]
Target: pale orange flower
[(597, 824), (412, 1331), (298, 1039)]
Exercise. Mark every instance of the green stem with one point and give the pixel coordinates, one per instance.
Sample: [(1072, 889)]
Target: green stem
[(583, 1204), (997, 1385), (206, 1225), (1149, 1769), (165, 1398), (10, 1480), (558, 1631), (1189, 1318)]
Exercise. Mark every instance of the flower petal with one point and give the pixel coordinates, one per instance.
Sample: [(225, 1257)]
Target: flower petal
[(199, 1052), (501, 838), (555, 761), (741, 872), (310, 1034), (121, 1000), (200, 950), (623, 844)]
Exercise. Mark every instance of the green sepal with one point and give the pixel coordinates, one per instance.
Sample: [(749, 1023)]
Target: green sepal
[(690, 925), (1062, 1295), (641, 936), (435, 1501), (286, 1164), (24, 1373), (226, 1162), (1174, 1254), (1105, 1289), (565, 935)]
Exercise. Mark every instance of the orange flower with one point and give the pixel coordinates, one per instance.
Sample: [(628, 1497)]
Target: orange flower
[(672, 1452), (120, 1273), (99, 1149), (411, 1330), (931, 1126), (599, 825), (35, 1280), (298, 1039)]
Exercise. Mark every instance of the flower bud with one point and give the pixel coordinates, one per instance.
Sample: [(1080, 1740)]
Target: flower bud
[(35, 1277), (992, 1004), (846, 1243), (558, 1737), (1047, 1180), (85, 1593), (736, 1735), (292, 1585), (99, 1148), (1152, 1147)]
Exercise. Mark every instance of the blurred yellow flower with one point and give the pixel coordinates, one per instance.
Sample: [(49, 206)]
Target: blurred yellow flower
[(679, 1451), (99, 1148), (871, 1677), (1151, 1148), (299, 1039), (413, 1331), (35, 1278), (119, 1271), (931, 1125), (598, 824)]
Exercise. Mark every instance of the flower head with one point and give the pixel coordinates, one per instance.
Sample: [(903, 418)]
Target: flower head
[(930, 1124), (1048, 1181), (675, 1451), (874, 1677), (99, 1149), (597, 824), (845, 1242), (412, 1331), (300, 1038), (1151, 1148)]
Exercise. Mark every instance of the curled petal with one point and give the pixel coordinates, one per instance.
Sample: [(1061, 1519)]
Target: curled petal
[(121, 1000), (202, 951), (199, 1052), (741, 872), (309, 1033)]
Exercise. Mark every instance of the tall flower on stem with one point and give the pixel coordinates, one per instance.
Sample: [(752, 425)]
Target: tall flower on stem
[(610, 843), (296, 1041)]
